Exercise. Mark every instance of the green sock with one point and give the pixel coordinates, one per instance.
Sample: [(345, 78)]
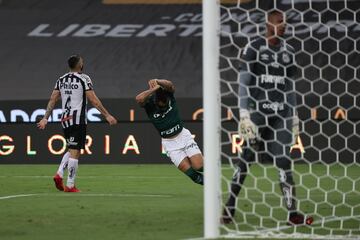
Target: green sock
[(195, 176), (200, 169)]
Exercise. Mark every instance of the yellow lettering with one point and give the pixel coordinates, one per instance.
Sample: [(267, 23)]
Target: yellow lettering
[(6, 149), (50, 144), (162, 150), (87, 146), (229, 114), (131, 145), (197, 113), (237, 144), (132, 115), (107, 144), (28, 146), (313, 113), (340, 114), (298, 145)]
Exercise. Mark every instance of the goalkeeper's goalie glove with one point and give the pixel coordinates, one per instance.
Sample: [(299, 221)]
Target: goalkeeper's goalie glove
[(247, 129)]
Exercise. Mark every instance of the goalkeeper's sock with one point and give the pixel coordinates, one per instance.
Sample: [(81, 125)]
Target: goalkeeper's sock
[(293, 214), (236, 183), (63, 164), (72, 169), (195, 176), (288, 190)]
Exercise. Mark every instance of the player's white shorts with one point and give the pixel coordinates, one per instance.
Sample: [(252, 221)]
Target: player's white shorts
[(180, 147)]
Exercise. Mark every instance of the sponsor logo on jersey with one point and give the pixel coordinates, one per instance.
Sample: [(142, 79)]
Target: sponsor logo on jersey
[(171, 130), (275, 64), (158, 115), (68, 86), (286, 58), (272, 79), (275, 106), (264, 57)]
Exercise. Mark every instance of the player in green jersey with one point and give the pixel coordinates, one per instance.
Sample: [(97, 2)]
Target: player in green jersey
[(161, 108)]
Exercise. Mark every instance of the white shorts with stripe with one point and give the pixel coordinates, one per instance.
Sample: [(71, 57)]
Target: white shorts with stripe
[(180, 147)]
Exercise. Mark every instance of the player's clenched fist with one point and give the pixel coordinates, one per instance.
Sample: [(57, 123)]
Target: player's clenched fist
[(153, 84), (42, 124), (247, 129)]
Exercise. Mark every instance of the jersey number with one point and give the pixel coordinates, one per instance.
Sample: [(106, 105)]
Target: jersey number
[(67, 104)]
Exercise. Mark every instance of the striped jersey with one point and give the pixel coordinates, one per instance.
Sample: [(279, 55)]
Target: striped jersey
[(72, 87)]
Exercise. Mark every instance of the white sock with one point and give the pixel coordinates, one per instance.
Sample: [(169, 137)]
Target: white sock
[(63, 164), (72, 169)]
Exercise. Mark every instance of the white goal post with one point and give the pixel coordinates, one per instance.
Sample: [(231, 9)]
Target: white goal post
[(211, 104)]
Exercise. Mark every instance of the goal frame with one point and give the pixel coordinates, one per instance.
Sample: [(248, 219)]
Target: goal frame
[(212, 120), (212, 130)]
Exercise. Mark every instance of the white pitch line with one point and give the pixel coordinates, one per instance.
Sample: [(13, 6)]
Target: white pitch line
[(147, 177), (17, 196), (319, 221), (106, 195), (87, 195)]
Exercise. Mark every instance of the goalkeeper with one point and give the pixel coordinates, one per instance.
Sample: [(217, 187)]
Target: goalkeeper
[(268, 119), (161, 108)]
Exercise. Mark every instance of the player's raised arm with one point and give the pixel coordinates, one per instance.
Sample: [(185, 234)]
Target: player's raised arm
[(248, 57), (142, 97), (293, 73), (55, 96), (247, 128), (95, 101), (166, 84)]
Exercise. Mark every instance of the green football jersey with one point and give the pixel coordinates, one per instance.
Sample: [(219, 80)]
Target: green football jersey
[(167, 121)]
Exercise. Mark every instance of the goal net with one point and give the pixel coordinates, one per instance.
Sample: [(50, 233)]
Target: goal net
[(325, 158)]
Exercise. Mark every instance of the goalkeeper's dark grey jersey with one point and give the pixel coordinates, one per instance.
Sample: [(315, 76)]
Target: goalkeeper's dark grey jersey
[(267, 77)]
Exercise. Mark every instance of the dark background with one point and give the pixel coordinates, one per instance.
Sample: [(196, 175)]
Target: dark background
[(325, 35)]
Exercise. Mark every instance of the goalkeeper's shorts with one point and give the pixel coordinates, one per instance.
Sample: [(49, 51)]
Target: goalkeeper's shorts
[(180, 147)]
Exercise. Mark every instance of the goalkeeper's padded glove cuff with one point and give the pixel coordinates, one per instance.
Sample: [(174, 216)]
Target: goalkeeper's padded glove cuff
[(295, 120), (244, 113)]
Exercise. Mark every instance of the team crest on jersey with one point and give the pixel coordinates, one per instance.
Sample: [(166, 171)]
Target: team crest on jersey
[(264, 57), (286, 58)]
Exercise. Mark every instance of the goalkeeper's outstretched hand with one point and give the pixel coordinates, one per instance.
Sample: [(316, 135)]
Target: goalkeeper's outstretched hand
[(247, 129)]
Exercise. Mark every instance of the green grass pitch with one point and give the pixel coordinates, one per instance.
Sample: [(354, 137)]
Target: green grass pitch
[(132, 202)]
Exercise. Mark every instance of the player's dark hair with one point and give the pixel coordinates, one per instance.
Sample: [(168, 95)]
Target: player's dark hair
[(73, 61), (274, 12), (161, 95)]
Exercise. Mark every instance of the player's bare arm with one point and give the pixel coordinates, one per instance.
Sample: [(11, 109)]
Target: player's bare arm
[(95, 101), (142, 97), (55, 96)]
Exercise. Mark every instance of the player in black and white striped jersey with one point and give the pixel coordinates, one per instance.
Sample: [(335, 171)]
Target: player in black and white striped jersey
[(74, 88)]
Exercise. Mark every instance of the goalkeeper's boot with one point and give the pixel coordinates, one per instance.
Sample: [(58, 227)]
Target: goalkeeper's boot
[(300, 219), (58, 182), (227, 216), (71, 189)]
